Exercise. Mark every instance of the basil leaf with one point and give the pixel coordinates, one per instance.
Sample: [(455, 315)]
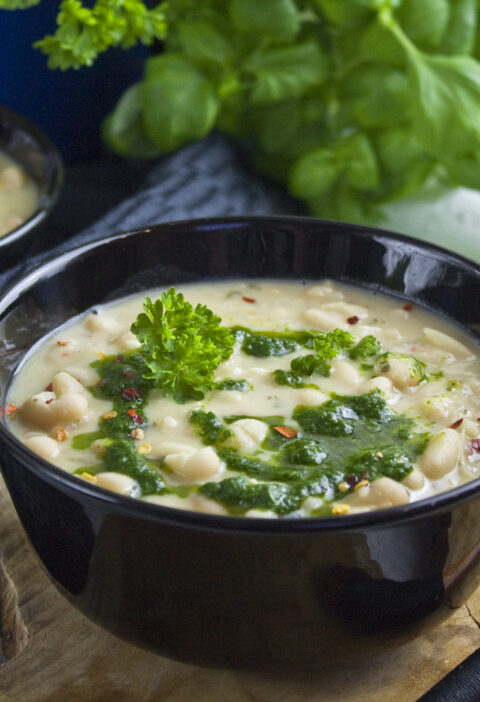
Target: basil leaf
[(459, 37), (171, 86), (280, 73), (386, 103), (123, 128), (446, 103), (314, 173), (358, 161), (278, 19), (424, 21), (203, 42)]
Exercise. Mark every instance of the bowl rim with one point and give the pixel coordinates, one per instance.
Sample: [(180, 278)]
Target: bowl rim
[(435, 504), (54, 184)]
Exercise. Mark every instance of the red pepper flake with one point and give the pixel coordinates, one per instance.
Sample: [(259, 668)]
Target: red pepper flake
[(475, 444), (130, 394), (129, 374), (49, 388), (249, 299), (456, 424), (287, 432), (353, 320), (101, 383), (11, 409), (62, 343), (119, 359), (136, 418), (408, 306)]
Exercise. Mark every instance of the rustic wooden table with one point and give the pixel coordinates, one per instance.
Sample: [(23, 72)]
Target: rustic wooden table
[(55, 655)]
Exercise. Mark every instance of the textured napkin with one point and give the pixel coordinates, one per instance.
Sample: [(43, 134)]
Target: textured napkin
[(461, 685), (208, 178)]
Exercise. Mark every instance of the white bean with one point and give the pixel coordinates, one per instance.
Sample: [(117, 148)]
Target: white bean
[(201, 503), (440, 456), (383, 493), (126, 341), (380, 382), (249, 433), (44, 446), (322, 291), (392, 334), (438, 408), (85, 376), (45, 411), (415, 480), (117, 482), (346, 374), (169, 422), (322, 320), (346, 310), (403, 371), (400, 313), (63, 383), (261, 514), (163, 448), (444, 341), (100, 323), (471, 429), (200, 465), (311, 397)]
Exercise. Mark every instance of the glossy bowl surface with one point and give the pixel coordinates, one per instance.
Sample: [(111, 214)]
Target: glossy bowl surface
[(224, 591), (29, 146)]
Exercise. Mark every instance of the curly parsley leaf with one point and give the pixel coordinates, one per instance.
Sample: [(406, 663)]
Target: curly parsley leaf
[(83, 32), (366, 347), (182, 346)]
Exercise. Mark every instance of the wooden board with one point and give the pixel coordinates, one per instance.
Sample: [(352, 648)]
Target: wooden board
[(55, 654)]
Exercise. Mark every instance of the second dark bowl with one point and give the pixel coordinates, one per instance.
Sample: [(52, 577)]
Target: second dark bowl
[(223, 591), (30, 148)]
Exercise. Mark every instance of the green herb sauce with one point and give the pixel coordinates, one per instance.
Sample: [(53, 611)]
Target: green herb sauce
[(343, 440)]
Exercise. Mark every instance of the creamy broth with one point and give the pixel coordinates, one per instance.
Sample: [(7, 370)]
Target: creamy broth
[(18, 194), (412, 404)]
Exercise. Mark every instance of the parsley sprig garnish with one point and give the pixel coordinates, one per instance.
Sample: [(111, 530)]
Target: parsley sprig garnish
[(182, 346)]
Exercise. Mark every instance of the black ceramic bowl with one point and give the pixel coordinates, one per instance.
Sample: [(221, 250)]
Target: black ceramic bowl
[(29, 146), (224, 591)]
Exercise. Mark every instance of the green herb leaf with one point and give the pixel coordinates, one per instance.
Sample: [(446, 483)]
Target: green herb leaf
[(286, 72), (209, 427), (425, 21), (181, 346), (123, 129), (276, 19), (83, 32), (172, 85), (368, 346), (459, 37)]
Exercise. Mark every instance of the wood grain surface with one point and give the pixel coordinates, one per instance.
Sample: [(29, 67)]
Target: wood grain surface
[(56, 655)]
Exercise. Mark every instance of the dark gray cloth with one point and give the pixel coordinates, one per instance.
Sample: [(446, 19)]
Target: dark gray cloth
[(211, 177), (462, 684)]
